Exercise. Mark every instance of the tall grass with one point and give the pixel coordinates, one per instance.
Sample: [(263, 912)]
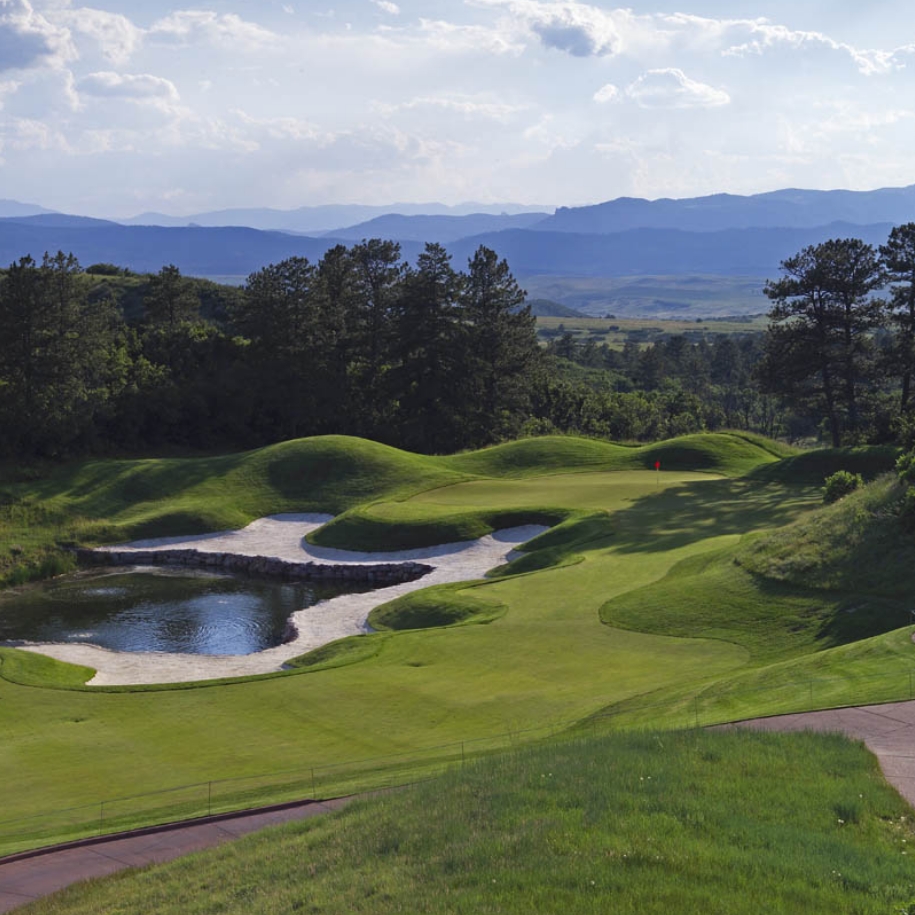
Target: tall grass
[(700, 823)]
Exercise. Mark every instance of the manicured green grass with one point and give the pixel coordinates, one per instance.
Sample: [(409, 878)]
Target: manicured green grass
[(444, 605), (545, 657), (701, 823), (710, 596)]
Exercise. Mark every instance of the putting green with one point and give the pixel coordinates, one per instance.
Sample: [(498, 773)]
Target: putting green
[(608, 491)]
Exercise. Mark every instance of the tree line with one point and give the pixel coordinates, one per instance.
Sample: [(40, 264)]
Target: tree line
[(433, 359), (421, 356)]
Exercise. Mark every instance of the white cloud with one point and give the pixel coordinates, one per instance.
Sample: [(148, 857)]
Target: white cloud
[(765, 35), (469, 107), (136, 87), (576, 28), (670, 87), (24, 134), (28, 39), (584, 30), (606, 94), (286, 128), (226, 30), (8, 87), (116, 36), (447, 36), (392, 9)]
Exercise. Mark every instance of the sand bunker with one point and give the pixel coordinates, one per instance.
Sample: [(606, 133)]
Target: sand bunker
[(281, 537)]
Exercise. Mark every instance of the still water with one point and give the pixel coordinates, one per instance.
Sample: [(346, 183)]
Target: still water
[(188, 612)]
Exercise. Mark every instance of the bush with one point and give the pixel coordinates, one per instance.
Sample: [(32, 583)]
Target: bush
[(840, 484), (905, 467)]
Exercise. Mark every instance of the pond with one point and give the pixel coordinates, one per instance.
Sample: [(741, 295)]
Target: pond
[(179, 611)]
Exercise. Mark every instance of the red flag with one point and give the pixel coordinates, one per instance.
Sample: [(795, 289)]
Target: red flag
[(657, 465)]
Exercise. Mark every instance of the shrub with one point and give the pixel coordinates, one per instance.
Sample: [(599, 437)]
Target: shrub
[(905, 467), (840, 484)]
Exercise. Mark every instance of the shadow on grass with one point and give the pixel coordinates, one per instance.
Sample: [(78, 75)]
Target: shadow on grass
[(683, 514)]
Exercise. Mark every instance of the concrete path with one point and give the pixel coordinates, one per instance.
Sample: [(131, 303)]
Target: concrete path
[(888, 731), (30, 875)]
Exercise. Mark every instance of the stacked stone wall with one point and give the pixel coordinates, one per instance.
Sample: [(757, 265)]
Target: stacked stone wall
[(389, 573)]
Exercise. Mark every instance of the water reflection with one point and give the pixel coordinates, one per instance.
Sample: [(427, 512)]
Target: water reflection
[(183, 611)]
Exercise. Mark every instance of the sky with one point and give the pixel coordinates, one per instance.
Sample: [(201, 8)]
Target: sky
[(128, 106)]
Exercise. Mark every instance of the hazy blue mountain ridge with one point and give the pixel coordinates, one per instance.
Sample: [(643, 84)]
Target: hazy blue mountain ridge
[(239, 251), (13, 208), (441, 229), (786, 209), (325, 219)]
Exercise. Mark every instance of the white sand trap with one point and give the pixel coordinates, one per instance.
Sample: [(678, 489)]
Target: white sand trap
[(281, 536)]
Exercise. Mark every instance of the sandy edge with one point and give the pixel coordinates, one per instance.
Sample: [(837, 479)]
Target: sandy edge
[(281, 536)]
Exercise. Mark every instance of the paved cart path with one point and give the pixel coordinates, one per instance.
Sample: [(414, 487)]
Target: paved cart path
[(887, 730), (26, 877)]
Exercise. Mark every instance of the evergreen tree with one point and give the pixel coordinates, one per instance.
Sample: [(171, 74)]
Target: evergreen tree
[(502, 349), (171, 299), (377, 273), (62, 358), (819, 347), (898, 259), (429, 354)]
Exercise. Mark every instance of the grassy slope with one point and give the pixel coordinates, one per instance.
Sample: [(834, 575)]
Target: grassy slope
[(733, 823), (546, 659)]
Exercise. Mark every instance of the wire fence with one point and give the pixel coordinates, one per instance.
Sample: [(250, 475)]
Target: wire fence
[(337, 779)]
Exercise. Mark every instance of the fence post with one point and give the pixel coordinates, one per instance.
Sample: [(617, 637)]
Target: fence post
[(101, 815), (314, 790), (209, 798)]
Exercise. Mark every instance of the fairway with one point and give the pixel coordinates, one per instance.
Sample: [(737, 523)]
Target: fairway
[(550, 655)]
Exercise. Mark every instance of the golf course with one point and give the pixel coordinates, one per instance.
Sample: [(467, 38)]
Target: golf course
[(689, 582)]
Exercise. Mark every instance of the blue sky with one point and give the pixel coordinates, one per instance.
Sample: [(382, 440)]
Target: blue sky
[(122, 106)]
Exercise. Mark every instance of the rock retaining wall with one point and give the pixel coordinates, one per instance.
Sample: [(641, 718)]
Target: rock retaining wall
[(390, 573)]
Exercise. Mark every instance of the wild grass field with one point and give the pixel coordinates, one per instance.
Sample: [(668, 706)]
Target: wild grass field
[(617, 331), (631, 610), (663, 297)]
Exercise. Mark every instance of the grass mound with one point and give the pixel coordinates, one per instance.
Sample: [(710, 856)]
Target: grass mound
[(562, 545), (725, 453), (444, 605), (854, 545), (400, 526), (710, 596), (538, 456), (29, 669), (690, 822), (730, 454), (812, 467), (343, 652)]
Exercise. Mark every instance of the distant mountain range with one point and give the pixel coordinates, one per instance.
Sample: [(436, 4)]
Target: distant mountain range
[(15, 209), (322, 220), (239, 251), (787, 209), (722, 236), (441, 229)]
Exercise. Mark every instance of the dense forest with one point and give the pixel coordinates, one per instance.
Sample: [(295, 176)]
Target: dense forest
[(433, 359)]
